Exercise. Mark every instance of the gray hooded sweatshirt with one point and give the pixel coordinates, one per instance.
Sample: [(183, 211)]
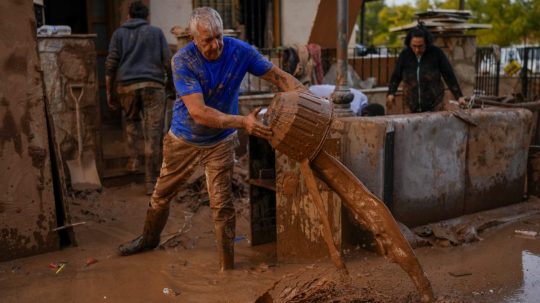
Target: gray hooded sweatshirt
[(138, 52)]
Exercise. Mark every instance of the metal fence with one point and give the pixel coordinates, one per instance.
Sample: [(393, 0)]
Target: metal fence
[(372, 68), (521, 65)]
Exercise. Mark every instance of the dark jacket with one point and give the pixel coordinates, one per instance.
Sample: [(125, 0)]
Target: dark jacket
[(423, 88), (138, 52)]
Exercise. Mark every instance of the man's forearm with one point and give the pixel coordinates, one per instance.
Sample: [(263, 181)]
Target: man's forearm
[(284, 81), (208, 116), (211, 117)]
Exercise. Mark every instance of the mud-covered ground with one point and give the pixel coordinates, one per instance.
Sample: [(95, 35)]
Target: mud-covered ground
[(501, 267)]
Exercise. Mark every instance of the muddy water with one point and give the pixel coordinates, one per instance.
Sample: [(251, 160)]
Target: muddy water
[(374, 215), (502, 268)]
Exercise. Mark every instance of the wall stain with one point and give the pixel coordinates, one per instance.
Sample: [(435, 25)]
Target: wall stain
[(9, 131), (16, 245), (38, 155), (17, 62), (25, 121), (75, 64), (18, 2)]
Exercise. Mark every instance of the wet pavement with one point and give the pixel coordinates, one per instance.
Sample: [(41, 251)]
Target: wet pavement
[(529, 291)]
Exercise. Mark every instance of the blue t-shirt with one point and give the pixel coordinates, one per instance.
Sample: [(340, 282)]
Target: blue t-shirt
[(218, 81)]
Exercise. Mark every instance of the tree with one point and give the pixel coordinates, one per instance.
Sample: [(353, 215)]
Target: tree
[(513, 21), (380, 18)]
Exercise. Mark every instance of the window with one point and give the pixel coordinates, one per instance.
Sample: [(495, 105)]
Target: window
[(253, 20)]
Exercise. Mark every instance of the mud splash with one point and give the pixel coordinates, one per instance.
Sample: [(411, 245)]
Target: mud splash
[(300, 123)]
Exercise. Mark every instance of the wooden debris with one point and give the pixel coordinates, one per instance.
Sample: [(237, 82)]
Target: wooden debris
[(319, 284)]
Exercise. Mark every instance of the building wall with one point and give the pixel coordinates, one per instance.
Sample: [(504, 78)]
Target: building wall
[(27, 202), (167, 13), (297, 17)]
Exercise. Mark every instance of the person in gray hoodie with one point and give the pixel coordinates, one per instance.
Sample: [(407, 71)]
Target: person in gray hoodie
[(138, 65)]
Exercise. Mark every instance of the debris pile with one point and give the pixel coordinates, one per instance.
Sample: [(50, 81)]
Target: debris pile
[(467, 228), (514, 100), (444, 21), (320, 284)]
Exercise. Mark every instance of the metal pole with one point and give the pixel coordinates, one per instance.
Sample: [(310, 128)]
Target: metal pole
[(342, 96), (362, 22)]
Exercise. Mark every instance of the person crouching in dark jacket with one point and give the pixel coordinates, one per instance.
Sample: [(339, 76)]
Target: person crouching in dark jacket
[(420, 66)]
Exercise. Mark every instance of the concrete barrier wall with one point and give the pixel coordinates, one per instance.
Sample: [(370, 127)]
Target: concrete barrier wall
[(497, 158), (443, 167), (429, 167)]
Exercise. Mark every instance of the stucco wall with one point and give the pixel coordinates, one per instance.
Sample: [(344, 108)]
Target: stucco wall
[(171, 13), (297, 17)]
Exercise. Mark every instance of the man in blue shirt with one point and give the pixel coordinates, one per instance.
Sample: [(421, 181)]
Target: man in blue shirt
[(207, 74)]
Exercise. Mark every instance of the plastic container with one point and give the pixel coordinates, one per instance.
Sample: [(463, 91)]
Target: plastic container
[(54, 30)]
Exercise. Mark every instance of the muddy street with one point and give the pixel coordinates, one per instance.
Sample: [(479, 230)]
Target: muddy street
[(502, 267)]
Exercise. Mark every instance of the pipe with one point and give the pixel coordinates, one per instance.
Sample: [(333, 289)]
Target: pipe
[(342, 23), (479, 101), (342, 96)]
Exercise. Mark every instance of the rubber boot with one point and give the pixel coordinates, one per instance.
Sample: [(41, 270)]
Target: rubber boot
[(225, 244), (154, 224)]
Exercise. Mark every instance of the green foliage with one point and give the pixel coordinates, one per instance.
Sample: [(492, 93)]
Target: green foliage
[(380, 18), (513, 21)]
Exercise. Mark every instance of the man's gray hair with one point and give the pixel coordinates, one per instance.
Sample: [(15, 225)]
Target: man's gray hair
[(206, 17)]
